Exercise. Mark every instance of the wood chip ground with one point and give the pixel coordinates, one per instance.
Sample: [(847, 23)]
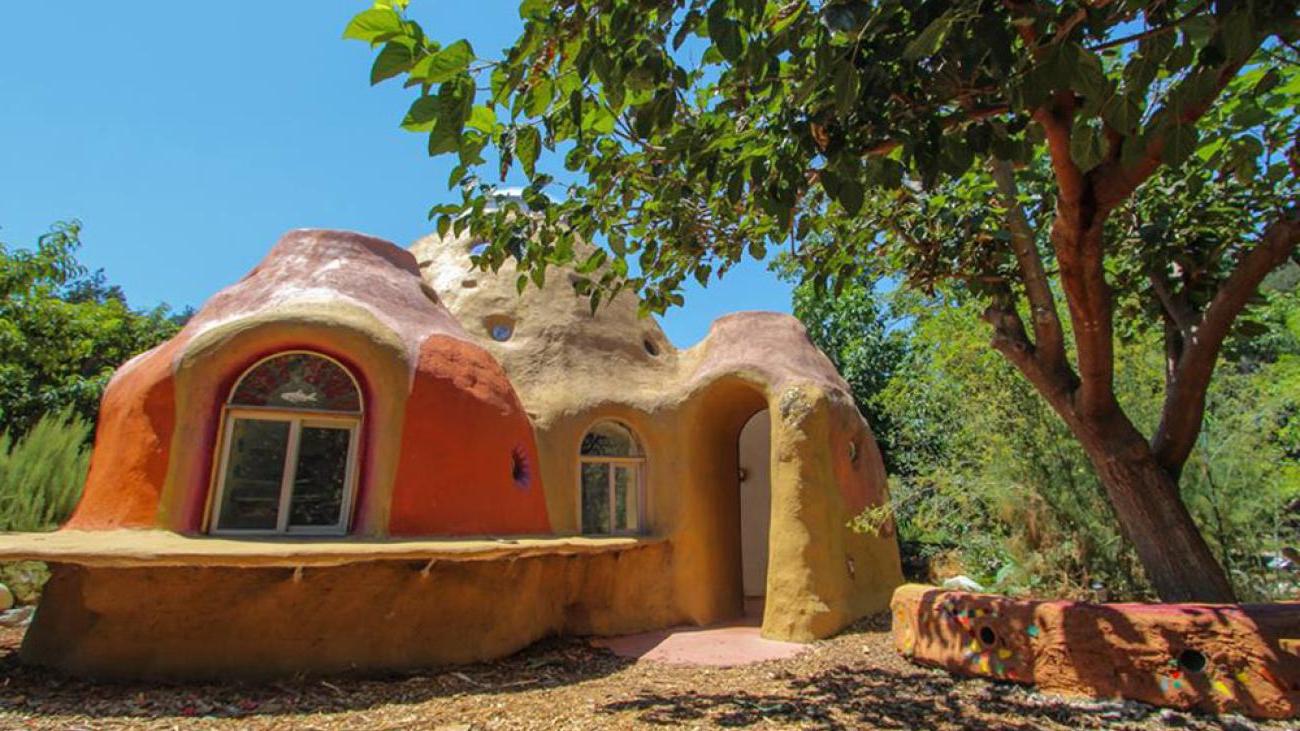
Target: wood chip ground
[(852, 681)]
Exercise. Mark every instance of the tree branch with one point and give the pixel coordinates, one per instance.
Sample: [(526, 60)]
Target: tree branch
[(1175, 305), (1011, 340), (1055, 119), (1184, 407), (1049, 342), (1115, 182)]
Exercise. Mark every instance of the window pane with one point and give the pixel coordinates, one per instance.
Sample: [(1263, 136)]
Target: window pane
[(318, 484), (608, 439), (595, 497), (298, 381), (625, 498), (251, 498)]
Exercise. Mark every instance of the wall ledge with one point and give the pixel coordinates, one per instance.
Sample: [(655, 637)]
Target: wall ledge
[(144, 548)]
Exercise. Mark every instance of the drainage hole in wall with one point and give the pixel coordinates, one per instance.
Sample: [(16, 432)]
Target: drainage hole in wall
[(1193, 661), (988, 636)]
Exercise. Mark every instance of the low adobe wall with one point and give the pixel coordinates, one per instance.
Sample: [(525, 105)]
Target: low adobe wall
[(1217, 658), (249, 622)]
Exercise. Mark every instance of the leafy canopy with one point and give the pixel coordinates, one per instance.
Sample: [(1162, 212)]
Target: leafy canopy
[(63, 331), (693, 133)]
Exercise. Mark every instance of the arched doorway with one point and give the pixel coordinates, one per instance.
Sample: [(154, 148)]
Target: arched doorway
[(755, 463)]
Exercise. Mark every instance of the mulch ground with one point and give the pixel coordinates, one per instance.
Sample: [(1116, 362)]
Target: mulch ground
[(852, 681)]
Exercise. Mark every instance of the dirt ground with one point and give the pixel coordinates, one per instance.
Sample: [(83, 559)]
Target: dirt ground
[(852, 681)]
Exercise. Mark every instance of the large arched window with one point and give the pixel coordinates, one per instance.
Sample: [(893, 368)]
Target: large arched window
[(289, 442), (610, 476)]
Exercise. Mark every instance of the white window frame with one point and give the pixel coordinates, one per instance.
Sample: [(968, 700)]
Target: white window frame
[(636, 467), (297, 419)]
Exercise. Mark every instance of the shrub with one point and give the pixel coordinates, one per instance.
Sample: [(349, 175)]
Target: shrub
[(41, 473)]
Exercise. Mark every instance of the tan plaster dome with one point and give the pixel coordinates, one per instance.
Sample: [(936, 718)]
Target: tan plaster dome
[(574, 369), (553, 336)]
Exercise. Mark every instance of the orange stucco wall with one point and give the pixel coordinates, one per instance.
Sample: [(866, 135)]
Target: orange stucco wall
[(463, 433), (132, 445)]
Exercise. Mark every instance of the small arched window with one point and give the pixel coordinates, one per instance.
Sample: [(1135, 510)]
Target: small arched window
[(289, 442), (610, 478)]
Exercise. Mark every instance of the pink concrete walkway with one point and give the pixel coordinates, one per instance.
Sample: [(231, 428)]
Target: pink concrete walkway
[(736, 643)]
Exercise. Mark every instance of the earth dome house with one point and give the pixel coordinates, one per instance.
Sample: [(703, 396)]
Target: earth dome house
[(361, 458)]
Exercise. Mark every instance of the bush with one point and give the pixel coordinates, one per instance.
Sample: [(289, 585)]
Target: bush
[(42, 472), (990, 483)]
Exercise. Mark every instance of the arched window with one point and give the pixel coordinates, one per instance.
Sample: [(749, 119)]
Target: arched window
[(610, 475), (289, 442)]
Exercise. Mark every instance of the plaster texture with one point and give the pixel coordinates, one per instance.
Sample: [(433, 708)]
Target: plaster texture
[(220, 622), (573, 368), (441, 427), (462, 543), (1214, 658)]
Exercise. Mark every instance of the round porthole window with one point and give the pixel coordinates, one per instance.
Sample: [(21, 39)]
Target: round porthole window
[(499, 327)]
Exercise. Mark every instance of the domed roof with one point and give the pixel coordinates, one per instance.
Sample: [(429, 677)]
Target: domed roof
[(545, 334)]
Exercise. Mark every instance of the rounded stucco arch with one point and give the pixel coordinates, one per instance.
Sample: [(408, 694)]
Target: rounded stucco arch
[(211, 363)]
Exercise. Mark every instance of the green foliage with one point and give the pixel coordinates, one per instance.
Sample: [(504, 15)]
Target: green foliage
[(992, 478), (857, 332), (41, 473), (694, 128), (1143, 153), (63, 330)]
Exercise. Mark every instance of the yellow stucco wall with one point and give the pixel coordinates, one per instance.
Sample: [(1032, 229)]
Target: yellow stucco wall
[(573, 368)]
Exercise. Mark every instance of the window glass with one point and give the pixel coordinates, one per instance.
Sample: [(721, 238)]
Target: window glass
[(298, 381), (608, 439), (624, 498), (254, 472), (320, 477), (595, 497)]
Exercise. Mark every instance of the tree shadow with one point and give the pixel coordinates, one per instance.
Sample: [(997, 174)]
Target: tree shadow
[(845, 697), (549, 663)]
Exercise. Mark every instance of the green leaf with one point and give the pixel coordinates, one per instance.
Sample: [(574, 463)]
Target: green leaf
[(1238, 33), (1089, 78), (393, 60), (373, 25), (539, 98), (534, 9), (445, 64), (483, 119), (528, 144), (724, 32), (1086, 145), (1180, 142), (1123, 113), (846, 88), (927, 43), (850, 195), (420, 117), (1058, 65)]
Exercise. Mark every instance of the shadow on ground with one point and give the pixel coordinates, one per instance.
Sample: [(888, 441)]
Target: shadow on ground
[(853, 681)]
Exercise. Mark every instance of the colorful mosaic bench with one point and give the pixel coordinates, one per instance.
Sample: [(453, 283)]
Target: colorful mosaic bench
[(1224, 658)]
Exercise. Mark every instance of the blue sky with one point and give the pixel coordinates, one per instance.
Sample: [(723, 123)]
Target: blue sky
[(188, 136)]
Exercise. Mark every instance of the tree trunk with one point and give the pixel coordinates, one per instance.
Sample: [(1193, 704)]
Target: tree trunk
[(1152, 515)]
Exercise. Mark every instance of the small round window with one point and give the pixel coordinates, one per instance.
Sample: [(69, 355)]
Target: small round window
[(501, 332)]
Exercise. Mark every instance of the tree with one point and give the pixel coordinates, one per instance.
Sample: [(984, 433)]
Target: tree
[(63, 331), (697, 132)]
